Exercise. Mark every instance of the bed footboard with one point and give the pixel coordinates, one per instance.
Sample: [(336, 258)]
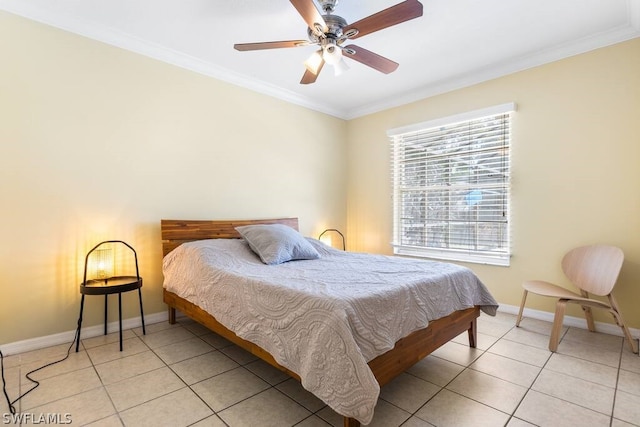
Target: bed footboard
[(406, 353), (418, 345), (199, 315)]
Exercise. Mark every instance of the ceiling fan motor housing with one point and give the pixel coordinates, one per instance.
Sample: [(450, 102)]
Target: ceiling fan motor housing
[(335, 24)]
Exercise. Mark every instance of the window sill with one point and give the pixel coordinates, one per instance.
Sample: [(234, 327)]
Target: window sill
[(502, 261)]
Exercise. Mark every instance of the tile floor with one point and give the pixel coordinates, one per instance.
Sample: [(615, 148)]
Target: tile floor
[(183, 375)]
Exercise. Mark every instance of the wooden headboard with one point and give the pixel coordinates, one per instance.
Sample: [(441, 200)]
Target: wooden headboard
[(177, 231)]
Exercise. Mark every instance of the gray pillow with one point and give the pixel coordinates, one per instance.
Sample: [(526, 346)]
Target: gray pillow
[(277, 243)]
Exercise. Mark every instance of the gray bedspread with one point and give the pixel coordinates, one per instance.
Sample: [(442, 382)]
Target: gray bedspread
[(326, 318)]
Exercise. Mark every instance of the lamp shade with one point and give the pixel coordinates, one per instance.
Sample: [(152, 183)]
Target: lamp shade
[(102, 261)]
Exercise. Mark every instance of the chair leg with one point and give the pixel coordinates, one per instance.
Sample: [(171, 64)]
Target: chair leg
[(561, 306), (617, 315), (632, 342), (589, 316), (524, 299)]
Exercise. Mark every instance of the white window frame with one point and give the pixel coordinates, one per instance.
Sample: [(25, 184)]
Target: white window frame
[(398, 136)]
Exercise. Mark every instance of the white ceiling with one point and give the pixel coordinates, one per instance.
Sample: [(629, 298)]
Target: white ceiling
[(455, 43)]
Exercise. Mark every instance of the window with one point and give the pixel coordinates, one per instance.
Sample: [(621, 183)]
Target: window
[(451, 187)]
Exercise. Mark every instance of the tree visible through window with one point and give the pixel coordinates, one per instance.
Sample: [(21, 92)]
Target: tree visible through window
[(451, 187)]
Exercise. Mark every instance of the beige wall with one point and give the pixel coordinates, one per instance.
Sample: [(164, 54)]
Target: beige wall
[(575, 161), (99, 143)]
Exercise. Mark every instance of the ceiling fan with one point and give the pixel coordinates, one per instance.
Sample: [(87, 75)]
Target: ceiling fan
[(330, 31)]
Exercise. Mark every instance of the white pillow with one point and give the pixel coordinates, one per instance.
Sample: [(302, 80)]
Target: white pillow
[(277, 243)]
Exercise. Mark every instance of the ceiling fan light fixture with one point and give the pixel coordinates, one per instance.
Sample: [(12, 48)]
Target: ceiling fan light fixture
[(332, 54), (314, 62), (341, 67)]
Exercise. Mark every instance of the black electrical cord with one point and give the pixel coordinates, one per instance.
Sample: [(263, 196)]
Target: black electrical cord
[(12, 408)]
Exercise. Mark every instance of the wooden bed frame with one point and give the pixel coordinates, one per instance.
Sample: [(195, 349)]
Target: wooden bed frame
[(406, 353)]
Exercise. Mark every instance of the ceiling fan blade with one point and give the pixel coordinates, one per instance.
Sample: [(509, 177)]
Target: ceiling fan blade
[(308, 77), (270, 45), (369, 58), (401, 12), (311, 15)]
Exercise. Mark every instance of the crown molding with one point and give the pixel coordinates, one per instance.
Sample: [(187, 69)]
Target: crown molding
[(108, 35), (628, 31), (132, 43)]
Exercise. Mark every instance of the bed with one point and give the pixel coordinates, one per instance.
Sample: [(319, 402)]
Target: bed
[(348, 353)]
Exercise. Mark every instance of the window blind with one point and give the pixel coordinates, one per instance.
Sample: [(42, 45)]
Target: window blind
[(451, 187)]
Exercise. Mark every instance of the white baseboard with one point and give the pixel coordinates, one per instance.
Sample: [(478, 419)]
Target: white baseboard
[(94, 331), (89, 332), (574, 322)]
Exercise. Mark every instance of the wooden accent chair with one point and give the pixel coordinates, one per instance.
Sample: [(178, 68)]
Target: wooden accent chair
[(593, 270)]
